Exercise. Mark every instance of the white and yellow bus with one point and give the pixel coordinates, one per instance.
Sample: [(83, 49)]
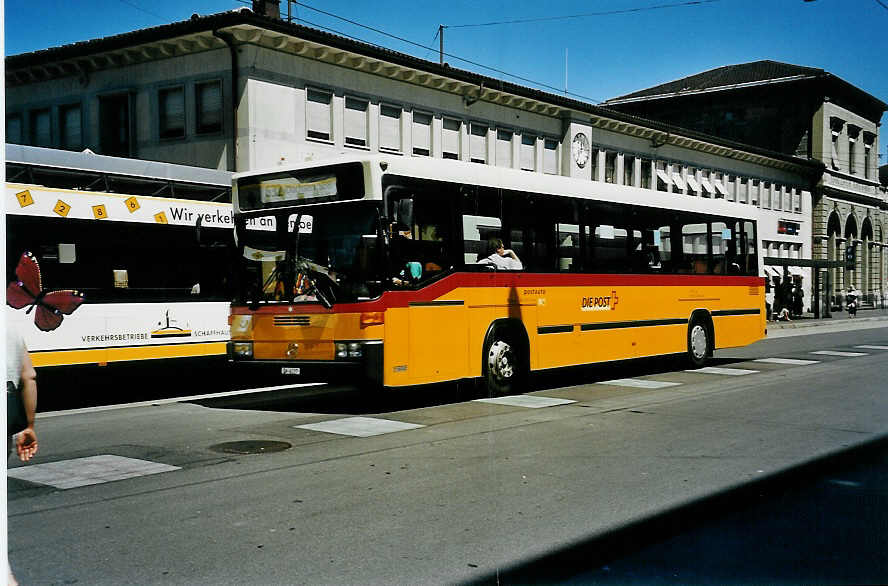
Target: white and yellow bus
[(373, 267), (151, 289)]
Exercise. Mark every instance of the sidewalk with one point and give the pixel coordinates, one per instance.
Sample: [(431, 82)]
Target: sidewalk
[(807, 320)]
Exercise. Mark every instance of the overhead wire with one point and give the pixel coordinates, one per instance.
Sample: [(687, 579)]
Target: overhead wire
[(427, 48), (421, 46), (588, 14)]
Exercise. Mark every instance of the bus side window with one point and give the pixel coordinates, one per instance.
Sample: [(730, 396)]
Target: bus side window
[(568, 236), (695, 248), (721, 236)]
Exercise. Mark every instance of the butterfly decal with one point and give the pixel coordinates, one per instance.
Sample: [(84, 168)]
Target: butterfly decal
[(28, 290)]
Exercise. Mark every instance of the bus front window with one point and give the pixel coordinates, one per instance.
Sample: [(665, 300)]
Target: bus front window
[(333, 253)]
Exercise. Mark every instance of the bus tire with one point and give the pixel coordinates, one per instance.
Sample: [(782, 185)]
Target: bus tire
[(505, 364), (699, 341)]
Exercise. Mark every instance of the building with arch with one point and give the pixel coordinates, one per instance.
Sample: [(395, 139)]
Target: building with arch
[(812, 114)]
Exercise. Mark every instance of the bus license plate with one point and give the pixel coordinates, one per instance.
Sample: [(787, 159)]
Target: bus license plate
[(289, 370)]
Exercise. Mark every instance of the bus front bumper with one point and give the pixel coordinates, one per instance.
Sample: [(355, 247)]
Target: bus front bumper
[(364, 368)]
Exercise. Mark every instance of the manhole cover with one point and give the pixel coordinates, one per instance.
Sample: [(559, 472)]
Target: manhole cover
[(251, 447)]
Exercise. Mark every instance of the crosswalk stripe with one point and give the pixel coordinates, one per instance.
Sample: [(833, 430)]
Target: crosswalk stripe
[(359, 426), (529, 401), (638, 383), (725, 371), (872, 347), (66, 474), (796, 361), (839, 353)]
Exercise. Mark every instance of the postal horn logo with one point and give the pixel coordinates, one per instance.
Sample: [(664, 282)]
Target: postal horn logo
[(600, 302)]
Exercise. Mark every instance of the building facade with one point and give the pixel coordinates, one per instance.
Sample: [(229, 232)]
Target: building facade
[(240, 91), (809, 113)]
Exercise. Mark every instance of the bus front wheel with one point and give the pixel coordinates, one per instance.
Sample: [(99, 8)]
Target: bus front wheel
[(504, 371), (699, 343)]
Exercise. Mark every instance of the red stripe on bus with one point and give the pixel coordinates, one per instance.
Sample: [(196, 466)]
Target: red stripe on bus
[(434, 291)]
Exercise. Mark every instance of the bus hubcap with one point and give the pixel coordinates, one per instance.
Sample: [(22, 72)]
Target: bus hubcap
[(500, 360), (698, 341)]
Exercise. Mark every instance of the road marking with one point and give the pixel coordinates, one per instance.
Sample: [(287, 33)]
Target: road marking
[(638, 383), (786, 361), (839, 353), (173, 400), (359, 426), (869, 347), (529, 401), (725, 371), (67, 474)]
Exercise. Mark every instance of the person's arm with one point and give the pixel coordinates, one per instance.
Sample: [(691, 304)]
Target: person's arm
[(516, 265), (26, 440)]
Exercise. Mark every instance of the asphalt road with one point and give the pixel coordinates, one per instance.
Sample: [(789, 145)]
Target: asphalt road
[(479, 492)]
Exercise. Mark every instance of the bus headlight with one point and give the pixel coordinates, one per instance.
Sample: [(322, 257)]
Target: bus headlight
[(242, 350), (345, 350)]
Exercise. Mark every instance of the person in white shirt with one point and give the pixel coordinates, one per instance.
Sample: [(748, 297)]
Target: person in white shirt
[(500, 257)]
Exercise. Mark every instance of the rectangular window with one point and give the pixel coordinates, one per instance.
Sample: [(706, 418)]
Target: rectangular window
[(528, 152), (693, 186), (869, 165), (41, 129), (389, 128), (503, 148), (646, 173), (318, 114), (852, 153), (450, 140), (208, 106), (71, 127), (867, 153), (663, 178), (695, 248), (14, 129), (766, 195), (568, 236), (115, 131), (422, 134), (356, 121), (550, 156), (171, 109), (610, 166), (478, 146), (628, 170), (835, 125)]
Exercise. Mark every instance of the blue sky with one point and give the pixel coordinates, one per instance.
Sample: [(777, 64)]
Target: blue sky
[(605, 55)]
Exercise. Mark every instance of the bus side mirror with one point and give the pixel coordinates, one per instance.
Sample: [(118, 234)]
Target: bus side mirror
[(404, 214)]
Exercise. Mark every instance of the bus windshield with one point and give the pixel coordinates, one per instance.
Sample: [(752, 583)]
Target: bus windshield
[(335, 249)]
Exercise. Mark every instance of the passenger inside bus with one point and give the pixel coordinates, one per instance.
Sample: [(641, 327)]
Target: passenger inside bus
[(501, 258)]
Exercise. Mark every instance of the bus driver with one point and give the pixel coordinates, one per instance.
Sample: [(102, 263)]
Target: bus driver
[(500, 258)]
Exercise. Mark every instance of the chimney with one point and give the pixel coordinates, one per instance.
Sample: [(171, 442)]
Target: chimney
[(268, 8)]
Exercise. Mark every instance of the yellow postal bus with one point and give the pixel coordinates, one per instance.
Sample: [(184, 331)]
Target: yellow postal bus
[(406, 271)]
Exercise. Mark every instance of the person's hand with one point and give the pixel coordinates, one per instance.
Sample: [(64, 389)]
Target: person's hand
[(26, 444)]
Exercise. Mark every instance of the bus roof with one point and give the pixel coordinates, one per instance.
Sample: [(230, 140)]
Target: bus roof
[(518, 180), (91, 162)]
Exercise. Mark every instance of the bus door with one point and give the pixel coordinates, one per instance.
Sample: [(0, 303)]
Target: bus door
[(437, 328)]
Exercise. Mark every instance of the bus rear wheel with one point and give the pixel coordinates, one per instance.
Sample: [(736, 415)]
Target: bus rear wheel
[(699, 343), (504, 370)]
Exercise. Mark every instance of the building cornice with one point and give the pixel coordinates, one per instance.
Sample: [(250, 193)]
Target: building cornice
[(196, 35)]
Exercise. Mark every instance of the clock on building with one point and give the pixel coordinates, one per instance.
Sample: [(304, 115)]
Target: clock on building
[(580, 149)]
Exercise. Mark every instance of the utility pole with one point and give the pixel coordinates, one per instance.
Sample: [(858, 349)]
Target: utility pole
[(441, 35)]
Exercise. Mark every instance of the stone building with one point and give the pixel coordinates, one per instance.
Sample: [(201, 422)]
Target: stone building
[(809, 113), (243, 90)]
